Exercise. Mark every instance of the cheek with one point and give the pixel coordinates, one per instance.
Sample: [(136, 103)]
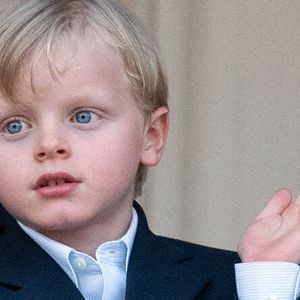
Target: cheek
[(11, 179), (115, 158), (14, 168), (112, 161)]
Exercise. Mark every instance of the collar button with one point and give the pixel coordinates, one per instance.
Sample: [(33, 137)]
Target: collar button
[(80, 263)]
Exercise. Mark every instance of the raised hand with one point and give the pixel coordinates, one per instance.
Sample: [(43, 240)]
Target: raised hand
[(275, 234)]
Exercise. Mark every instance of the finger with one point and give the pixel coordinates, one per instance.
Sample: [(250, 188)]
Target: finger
[(277, 205), (292, 213)]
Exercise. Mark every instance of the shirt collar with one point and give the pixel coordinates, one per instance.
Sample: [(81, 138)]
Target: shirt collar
[(60, 252)]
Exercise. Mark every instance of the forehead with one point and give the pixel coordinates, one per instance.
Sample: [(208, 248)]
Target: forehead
[(68, 60)]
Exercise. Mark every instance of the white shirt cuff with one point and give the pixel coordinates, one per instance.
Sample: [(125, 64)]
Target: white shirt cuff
[(267, 280)]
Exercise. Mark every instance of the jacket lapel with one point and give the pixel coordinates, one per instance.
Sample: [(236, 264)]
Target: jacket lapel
[(26, 271), (160, 269)]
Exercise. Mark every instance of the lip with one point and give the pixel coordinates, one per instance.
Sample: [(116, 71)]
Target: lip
[(59, 190)]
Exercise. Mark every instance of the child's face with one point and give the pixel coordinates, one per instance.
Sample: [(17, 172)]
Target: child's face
[(69, 152)]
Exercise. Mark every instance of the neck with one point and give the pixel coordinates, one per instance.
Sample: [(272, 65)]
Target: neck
[(87, 240)]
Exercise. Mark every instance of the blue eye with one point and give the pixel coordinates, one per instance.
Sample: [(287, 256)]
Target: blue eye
[(83, 117), (14, 127)]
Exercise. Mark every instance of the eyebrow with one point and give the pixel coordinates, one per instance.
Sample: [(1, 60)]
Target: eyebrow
[(102, 99), (21, 105), (82, 97), (13, 106)]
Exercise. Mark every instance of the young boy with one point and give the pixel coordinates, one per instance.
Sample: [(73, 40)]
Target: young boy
[(83, 112)]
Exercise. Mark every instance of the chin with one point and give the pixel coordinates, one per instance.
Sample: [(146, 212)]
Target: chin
[(55, 222)]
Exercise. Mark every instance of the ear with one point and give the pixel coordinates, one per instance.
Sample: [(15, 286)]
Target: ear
[(155, 136)]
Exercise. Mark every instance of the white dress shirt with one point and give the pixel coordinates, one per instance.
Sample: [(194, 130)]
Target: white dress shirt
[(103, 278)]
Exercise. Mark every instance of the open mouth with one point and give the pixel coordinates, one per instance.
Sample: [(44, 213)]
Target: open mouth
[(54, 179), (57, 181)]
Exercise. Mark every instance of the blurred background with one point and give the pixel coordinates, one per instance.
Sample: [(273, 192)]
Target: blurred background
[(234, 74)]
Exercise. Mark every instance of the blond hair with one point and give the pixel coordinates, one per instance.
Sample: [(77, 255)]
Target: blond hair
[(31, 27)]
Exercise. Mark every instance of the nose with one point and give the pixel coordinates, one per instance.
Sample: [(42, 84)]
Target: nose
[(51, 147)]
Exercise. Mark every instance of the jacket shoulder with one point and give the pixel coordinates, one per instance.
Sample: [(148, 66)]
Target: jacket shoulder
[(213, 258), (167, 268)]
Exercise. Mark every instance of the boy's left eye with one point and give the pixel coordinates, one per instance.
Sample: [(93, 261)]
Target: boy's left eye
[(85, 117)]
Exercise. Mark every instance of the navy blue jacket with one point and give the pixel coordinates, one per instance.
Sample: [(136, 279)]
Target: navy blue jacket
[(159, 268)]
